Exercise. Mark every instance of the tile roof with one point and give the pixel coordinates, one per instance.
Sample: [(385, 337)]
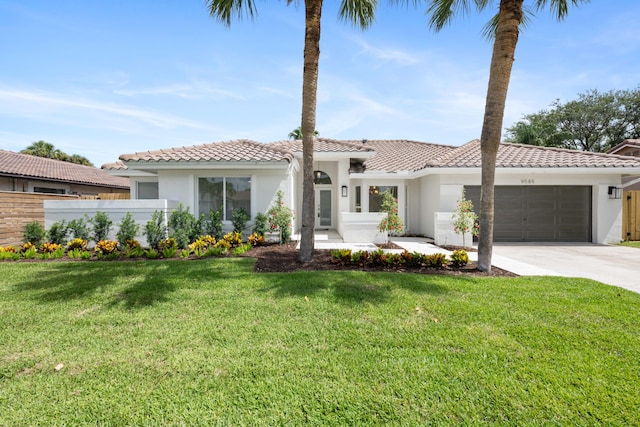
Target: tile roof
[(626, 143), (229, 151), (325, 145), (532, 156), (24, 165), (117, 165)]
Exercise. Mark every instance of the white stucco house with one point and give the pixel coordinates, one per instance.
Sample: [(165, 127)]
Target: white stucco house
[(542, 194)]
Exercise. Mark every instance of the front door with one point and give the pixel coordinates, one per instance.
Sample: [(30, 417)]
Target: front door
[(323, 208)]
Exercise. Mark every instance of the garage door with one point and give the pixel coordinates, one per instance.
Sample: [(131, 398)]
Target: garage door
[(539, 213)]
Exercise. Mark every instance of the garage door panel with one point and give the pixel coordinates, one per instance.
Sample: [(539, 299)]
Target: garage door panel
[(539, 213)]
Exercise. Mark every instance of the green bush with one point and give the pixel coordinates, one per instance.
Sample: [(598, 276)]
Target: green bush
[(436, 260), (101, 226), (341, 255), (280, 218), (127, 230), (211, 225), (459, 258), (151, 253), (239, 219), (33, 233), (260, 225), (58, 233), (155, 230), (181, 225), (79, 228), (77, 244)]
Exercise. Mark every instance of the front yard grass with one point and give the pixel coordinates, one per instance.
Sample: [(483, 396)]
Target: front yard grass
[(211, 342), (632, 244)]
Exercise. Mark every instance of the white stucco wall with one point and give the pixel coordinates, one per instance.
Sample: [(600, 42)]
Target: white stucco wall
[(141, 210)]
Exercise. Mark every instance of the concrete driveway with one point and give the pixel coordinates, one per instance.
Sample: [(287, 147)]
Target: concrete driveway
[(613, 265)]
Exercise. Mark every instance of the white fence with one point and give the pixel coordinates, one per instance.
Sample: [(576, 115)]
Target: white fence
[(141, 210)]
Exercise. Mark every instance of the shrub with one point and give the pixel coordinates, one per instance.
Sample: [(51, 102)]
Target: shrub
[(436, 260), (181, 225), (360, 257), (79, 228), (459, 258), (78, 254), (28, 246), (155, 229), (234, 238), (128, 229), (58, 232), (378, 257), (341, 255), (9, 253), (29, 253), (51, 250), (77, 244), (168, 247), (242, 249), (106, 248), (101, 226), (151, 253), (33, 233), (211, 225), (260, 226), (256, 239), (169, 252), (185, 253), (222, 244), (216, 250), (133, 249), (280, 218), (199, 246), (239, 219)]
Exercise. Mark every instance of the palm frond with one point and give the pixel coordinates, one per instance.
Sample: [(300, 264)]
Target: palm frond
[(489, 30), (559, 8), (360, 13), (441, 12), (225, 10)]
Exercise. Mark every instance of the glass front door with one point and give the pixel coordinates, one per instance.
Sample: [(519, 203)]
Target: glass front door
[(323, 208)]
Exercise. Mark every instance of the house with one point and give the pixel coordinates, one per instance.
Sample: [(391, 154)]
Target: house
[(542, 194), (27, 181), (628, 147), (31, 174)]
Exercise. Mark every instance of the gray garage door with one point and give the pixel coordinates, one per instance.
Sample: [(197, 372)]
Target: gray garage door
[(539, 213)]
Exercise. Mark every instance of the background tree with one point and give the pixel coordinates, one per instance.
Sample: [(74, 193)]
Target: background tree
[(504, 28), (297, 133), (594, 122), (358, 12), (49, 151)]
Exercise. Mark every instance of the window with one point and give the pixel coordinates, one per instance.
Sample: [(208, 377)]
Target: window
[(375, 196), (358, 200), (48, 190), (147, 190), (225, 194), (320, 177)]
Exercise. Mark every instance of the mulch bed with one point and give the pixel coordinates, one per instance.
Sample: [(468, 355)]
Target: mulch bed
[(284, 258)]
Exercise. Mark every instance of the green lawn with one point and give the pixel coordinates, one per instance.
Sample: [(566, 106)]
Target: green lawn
[(633, 244), (210, 342)]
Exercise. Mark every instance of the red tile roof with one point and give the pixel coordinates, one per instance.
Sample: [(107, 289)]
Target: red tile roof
[(532, 156), (24, 165), (389, 156), (229, 151)]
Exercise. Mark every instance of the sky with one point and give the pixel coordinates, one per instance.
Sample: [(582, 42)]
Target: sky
[(101, 78)]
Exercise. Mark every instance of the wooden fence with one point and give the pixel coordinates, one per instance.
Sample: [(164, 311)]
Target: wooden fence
[(18, 209), (107, 196), (631, 215)]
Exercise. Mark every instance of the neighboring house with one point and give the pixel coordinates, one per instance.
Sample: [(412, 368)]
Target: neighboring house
[(542, 194), (31, 174), (628, 147)]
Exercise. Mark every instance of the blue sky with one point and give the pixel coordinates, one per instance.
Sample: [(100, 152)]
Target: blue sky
[(105, 77)]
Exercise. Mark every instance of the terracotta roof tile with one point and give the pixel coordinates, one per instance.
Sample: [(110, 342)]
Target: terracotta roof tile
[(231, 151), (117, 165), (403, 155), (325, 145), (531, 156), (24, 165)]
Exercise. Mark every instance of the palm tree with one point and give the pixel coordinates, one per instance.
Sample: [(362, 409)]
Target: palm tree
[(505, 28), (358, 12), (43, 149), (297, 133)]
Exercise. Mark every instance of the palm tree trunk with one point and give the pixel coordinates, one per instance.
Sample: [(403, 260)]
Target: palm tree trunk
[(313, 11), (504, 48)]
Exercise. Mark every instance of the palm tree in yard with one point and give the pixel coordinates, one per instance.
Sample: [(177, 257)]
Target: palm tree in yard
[(358, 12), (504, 28)]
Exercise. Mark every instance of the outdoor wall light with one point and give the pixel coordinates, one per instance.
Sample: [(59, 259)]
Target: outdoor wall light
[(345, 191), (615, 192)]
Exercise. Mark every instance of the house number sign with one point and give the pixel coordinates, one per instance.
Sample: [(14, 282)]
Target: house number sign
[(527, 181)]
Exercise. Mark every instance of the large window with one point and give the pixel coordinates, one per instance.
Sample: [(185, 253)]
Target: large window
[(375, 196), (225, 194)]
